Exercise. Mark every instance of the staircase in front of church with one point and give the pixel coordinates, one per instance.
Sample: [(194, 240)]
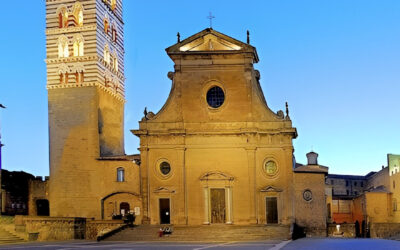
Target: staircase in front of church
[(8, 238), (205, 233)]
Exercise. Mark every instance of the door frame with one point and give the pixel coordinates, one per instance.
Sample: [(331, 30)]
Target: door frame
[(159, 210), (226, 205), (266, 209)]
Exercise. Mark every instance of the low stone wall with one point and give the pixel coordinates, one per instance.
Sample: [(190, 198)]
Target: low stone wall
[(315, 232), (61, 228), (96, 228), (347, 230), (52, 228), (384, 230)]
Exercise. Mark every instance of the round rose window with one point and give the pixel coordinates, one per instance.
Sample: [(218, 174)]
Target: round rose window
[(165, 168), (215, 97)]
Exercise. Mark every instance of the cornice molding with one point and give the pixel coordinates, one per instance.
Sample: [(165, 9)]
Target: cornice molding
[(72, 59), (110, 91), (56, 31)]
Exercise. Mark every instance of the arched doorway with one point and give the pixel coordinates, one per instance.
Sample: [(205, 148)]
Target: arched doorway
[(114, 205), (42, 207), (124, 208)]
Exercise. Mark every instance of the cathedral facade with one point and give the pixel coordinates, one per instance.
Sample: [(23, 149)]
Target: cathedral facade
[(215, 153)]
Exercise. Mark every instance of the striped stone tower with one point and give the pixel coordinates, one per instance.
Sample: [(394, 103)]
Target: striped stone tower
[(85, 82)]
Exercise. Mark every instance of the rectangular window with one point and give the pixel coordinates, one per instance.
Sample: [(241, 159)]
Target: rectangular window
[(362, 184), (347, 183), (120, 175), (332, 182)]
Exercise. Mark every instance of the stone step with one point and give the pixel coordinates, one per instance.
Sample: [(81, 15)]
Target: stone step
[(8, 238), (204, 233)]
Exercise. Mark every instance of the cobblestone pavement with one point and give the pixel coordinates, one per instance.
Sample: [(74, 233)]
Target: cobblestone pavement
[(342, 244)]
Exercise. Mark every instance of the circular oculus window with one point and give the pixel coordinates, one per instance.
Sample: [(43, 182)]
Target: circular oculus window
[(307, 195), (165, 168), (215, 97), (270, 168)]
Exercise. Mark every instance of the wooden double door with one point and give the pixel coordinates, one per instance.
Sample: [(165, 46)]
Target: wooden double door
[(271, 205), (218, 205)]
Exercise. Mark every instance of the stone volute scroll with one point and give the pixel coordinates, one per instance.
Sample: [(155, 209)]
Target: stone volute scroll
[(171, 75)]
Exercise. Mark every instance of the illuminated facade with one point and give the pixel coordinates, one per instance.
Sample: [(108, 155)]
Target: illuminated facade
[(90, 175), (215, 153)]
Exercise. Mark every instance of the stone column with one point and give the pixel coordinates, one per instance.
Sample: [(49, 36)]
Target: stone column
[(144, 184), (251, 159), (229, 203), (288, 198), (181, 199), (206, 208)]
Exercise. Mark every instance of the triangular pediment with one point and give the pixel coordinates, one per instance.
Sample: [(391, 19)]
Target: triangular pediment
[(271, 189), (210, 40), (163, 190), (216, 176)]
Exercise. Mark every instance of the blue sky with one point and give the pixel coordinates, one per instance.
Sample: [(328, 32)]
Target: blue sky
[(337, 63)]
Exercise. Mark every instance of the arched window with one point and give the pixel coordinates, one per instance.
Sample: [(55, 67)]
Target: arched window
[(63, 50), (78, 68), (107, 54), (62, 14), (120, 175), (106, 24), (63, 71), (113, 4), (78, 14), (114, 32), (78, 45), (394, 200), (115, 61)]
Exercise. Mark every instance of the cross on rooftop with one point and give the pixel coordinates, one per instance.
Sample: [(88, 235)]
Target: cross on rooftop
[(211, 17)]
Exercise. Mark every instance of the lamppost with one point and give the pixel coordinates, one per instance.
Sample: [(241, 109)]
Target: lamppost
[(1, 190)]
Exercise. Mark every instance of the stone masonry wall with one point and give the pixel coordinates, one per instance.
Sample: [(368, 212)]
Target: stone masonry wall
[(97, 228), (60, 228), (384, 230), (52, 228)]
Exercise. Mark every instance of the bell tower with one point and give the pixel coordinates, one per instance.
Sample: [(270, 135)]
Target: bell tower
[(85, 83)]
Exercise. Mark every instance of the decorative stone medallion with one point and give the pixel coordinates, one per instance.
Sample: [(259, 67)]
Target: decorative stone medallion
[(307, 195), (270, 168)]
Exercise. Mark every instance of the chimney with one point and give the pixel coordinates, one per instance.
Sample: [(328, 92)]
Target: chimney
[(312, 158)]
